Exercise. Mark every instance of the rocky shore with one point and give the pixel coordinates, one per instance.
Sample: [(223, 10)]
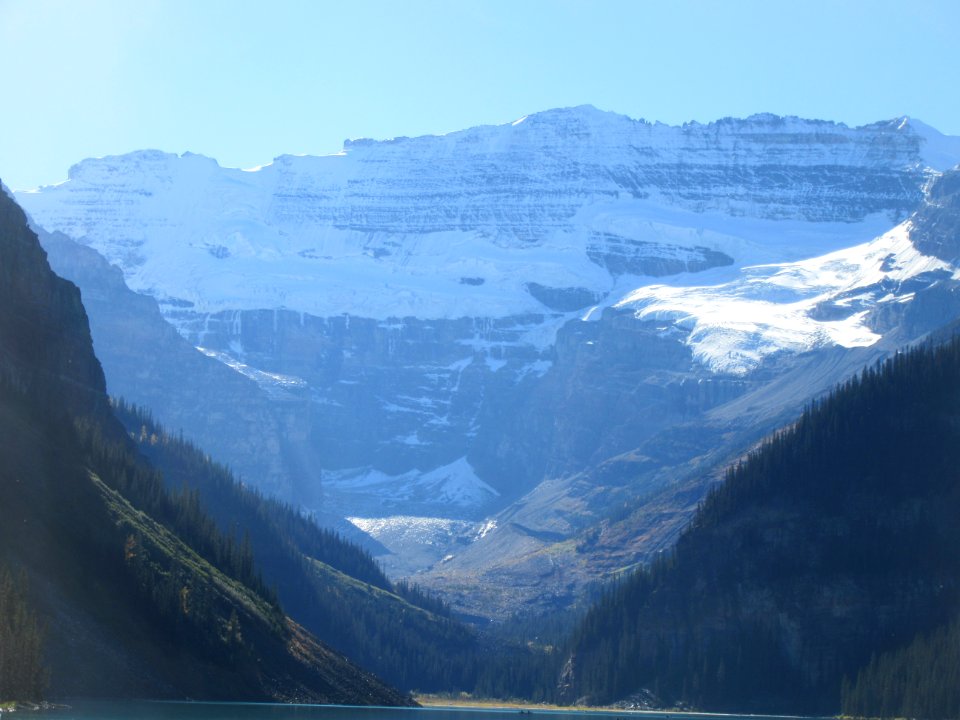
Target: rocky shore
[(23, 706)]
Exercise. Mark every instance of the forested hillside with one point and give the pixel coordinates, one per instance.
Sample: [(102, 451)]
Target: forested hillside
[(920, 680), (337, 591), (331, 586), (22, 672), (139, 592), (833, 543)]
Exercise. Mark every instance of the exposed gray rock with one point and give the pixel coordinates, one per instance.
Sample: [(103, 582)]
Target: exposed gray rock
[(429, 326)]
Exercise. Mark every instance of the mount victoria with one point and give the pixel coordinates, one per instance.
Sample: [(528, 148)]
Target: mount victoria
[(514, 356)]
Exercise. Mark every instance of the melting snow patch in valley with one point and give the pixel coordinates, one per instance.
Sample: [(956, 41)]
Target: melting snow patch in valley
[(415, 542), (422, 530)]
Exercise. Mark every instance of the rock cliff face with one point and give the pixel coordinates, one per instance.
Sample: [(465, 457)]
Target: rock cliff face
[(488, 222), (625, 507), (43, 322), (526, 180), (437, 325), (936, 228), (145, 358)]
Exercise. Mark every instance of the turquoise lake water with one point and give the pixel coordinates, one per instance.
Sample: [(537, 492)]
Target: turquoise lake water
[(256, 711)]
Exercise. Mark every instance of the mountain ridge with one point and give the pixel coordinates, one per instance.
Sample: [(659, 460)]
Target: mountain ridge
[(450, 314), (930, 133)]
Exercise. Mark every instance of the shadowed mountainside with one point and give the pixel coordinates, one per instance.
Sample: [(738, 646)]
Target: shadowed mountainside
[(141, 596)]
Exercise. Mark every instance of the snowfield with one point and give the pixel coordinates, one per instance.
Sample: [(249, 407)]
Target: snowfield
[(451, 487), (790, 307)]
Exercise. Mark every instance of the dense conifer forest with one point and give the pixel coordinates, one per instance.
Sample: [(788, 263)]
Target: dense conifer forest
[(23, 674), (181, 511), (242, 512), (825, 562), (921, 680), (332, 586), (179, 615)]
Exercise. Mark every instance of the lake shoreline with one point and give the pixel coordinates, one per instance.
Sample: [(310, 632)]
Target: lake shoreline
[(437, 701), (12, 706), (433, 707), (471, 703)]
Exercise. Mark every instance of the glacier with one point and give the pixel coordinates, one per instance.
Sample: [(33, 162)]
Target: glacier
[(776, 308)]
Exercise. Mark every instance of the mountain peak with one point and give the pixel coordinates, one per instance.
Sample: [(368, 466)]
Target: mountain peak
[(148, 162), (939, 151), (182, 227)]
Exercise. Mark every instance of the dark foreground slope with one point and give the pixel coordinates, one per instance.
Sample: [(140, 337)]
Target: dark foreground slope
[(833, 543), (330, 586), (139, 594), (921, 680), (334, 588)]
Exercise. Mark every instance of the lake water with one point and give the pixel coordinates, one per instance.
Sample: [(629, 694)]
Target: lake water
[(257, 711)]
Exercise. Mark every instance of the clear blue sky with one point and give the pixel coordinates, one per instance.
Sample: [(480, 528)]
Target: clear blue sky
[(246, 81)]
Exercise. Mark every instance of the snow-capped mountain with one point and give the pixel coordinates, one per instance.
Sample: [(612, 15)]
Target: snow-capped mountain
[(469, 224), (464, 316)]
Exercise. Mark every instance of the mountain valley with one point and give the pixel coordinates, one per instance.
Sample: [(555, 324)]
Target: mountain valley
[(510, 360), (139, 594)]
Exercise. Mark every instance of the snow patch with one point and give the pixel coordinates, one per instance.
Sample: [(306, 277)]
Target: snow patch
[(766, 309), (495, 364), (267, 380), (415, 542), (389, 229), (454, 485), (537, 368), (487, 527), (591, 314)]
